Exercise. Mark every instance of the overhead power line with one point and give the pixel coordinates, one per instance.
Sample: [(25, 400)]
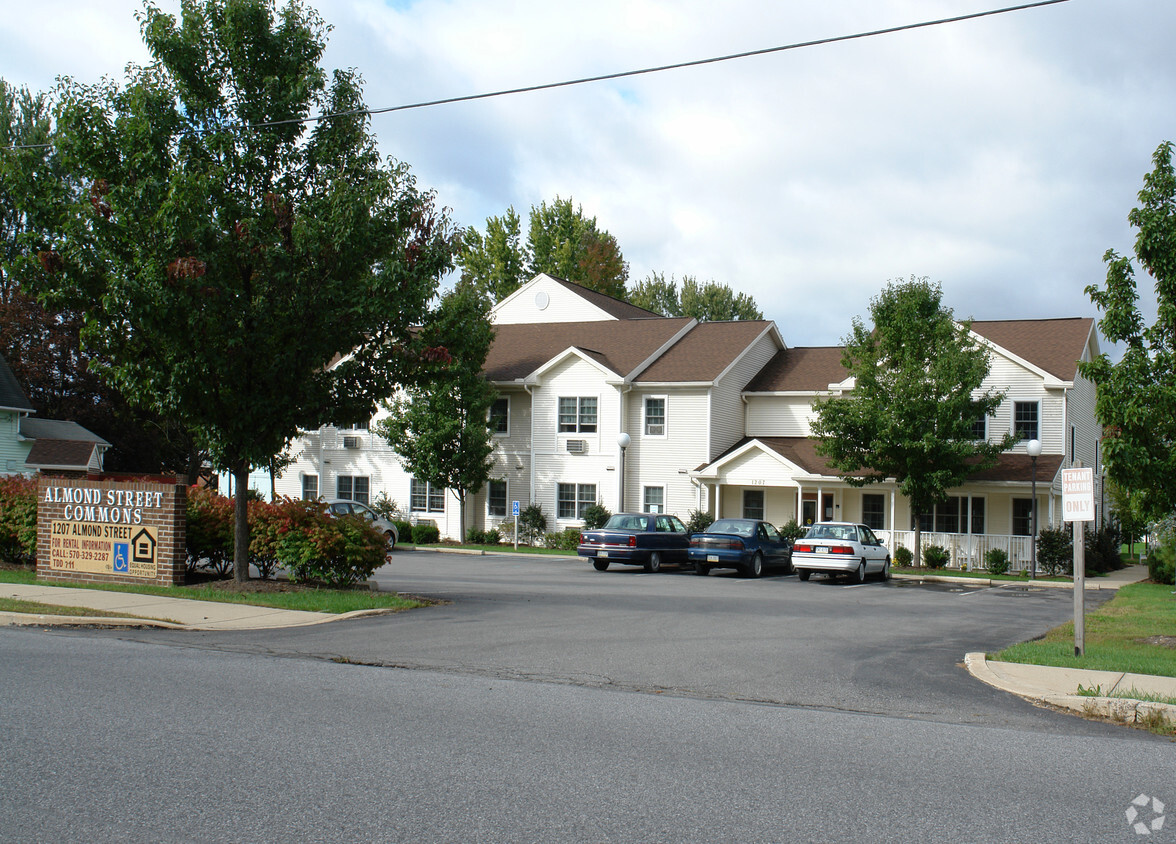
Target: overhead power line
[(643, 71)]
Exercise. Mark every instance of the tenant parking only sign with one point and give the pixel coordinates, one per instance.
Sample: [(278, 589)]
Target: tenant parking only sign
[(1078, 495)]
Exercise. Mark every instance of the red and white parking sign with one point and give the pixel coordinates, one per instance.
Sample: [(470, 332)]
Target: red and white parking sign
[(1078, 495)]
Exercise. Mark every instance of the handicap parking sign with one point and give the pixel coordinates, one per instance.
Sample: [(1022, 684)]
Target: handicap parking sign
[(122, 553)]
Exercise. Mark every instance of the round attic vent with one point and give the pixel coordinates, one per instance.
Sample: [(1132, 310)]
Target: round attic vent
[(542, 300)]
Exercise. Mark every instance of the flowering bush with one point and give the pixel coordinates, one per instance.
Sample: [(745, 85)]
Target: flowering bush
[(209, 531), (18, 519)]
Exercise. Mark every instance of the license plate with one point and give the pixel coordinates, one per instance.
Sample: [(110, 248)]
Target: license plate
[(602, 553), (821, 549), (712, 558)]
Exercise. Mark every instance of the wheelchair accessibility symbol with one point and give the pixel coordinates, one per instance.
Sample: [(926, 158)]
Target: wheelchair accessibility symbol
[(122, 553)]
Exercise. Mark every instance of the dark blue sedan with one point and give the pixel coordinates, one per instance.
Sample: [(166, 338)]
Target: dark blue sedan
[(749, 545), (636, 539)]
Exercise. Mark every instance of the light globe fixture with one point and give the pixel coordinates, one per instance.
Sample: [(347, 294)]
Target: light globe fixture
[(1033, 449), (623, 441)]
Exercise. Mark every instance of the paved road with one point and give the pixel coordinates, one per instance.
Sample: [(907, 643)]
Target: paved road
[(549, 702)]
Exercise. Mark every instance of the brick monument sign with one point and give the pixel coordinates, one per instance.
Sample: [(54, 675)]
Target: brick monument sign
[(100, 530)]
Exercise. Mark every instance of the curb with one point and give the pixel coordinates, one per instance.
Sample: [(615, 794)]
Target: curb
[(1121, 710), (20, 619), (984, 581)]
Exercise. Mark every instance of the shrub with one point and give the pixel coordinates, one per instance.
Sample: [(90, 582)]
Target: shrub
[(475, 537), (317, 547), (403, 530), (493, 537), (1102, 549), (903, 556), (532, 524), (565, 540), (936, 556), (595, 515), (792, 530), (387, 507), (266, 522), (1161, 565), (209, 531), (698, 521), (996, 561), (18, 520), (1055, 550), (425, 533)]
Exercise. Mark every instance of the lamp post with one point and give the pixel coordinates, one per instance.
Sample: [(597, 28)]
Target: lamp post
[(1033, 449), (623, 441)]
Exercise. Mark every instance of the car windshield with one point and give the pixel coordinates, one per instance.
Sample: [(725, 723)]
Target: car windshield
[(625, 522), (846, 533), (738, 527)]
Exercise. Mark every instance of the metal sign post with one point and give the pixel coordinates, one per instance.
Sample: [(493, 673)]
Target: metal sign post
[(515, 513), (1078, 507)]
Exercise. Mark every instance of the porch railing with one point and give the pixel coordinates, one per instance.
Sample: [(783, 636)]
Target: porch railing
[(968, 550)]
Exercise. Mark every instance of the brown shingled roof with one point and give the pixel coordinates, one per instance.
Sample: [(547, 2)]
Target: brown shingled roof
[(621, 345), (60, 454), (704, 353), (811, 368), (1055, 345)]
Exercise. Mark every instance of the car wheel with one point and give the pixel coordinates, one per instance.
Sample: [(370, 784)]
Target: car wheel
[(701, 569), (653, 564), (787, 565), (599, 564), (885, 570), (859, 576), (390, 538), (756, 567), (803, 574)]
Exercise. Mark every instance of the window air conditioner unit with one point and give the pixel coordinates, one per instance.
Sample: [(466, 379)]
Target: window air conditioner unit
[(576, 446), (351, 442)]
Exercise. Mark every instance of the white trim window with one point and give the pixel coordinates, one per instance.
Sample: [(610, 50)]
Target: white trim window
[(653, 499), (309, 487), (499, 417), (573, 499), (874, 510), (577, 415), (496, 498), (753, 504), (423, 497), (1027, 420), (353, 488), (655, 417), (979, 434)]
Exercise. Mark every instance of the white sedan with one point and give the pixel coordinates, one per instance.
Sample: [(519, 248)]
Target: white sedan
[(841, 548)]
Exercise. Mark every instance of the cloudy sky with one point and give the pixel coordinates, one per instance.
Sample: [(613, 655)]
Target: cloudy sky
[(998, 156)]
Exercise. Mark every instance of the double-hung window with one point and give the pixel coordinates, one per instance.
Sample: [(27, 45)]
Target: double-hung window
[(753, 503), (353, 488), (496, 498), (573, 499), (1022, 516), (309, 487), (874, 511), (654, 499), (423, 497), (577, 415), (499, 421), (655, 416), (1025, 420)]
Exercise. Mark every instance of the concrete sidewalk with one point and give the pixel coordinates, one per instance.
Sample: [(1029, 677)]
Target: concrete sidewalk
[(154, 611), (1114, 580)]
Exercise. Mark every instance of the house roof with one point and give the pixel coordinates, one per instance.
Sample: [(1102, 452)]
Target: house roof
[(12, 397), (705, 352), (619, 345), (803, 369), (802, 451), (616, 308), (63, 454), (1055, 345), (56, 429)]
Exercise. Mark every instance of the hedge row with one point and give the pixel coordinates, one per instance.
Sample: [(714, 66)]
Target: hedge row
[(18, 519)]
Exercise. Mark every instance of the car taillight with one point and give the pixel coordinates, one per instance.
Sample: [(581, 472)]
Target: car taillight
[(582, 539), (633, 541), (694, 542), (803, 548), (840, 549), (735, 544)]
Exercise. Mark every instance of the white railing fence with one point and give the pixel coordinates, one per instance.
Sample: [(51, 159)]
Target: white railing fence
[(968, 550)]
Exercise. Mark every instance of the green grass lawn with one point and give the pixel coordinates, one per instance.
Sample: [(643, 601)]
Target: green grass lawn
[(1134, 632), (308, 599)]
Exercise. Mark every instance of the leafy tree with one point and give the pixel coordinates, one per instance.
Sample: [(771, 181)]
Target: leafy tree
[(440, 428), (707, 302), (1136, 399), (561, 241), (917, 376), (223, 254)]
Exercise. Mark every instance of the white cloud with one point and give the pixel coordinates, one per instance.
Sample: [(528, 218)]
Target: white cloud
[(999, 156)]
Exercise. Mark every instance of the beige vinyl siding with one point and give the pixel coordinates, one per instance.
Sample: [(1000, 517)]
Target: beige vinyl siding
[(779, 416), (1021, 384), (728, 423), (13, 450), (664, 461), (562, 305)]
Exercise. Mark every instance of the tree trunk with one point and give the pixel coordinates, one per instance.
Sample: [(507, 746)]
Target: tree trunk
[(461, 499), (918, 557), (241, 523)]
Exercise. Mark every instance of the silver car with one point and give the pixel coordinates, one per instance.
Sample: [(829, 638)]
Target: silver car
[(346, 507), (841, 548)]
